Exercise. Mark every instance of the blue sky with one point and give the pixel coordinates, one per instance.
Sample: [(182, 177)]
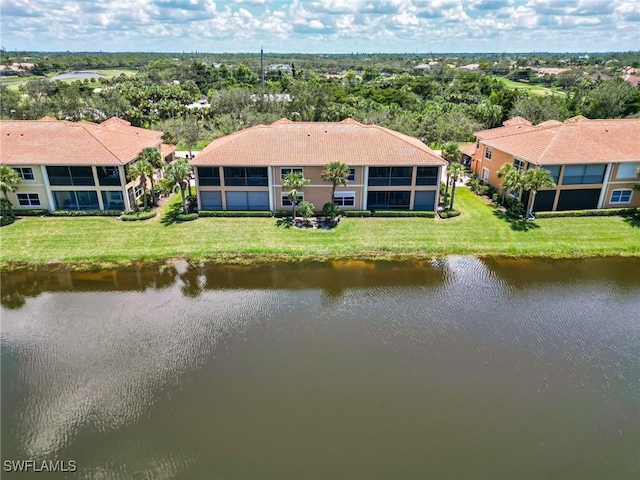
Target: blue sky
[(316, 26)]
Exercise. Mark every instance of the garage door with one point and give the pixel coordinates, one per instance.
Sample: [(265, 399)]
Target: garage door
[(247, 200), (211, 200), (424, 201)]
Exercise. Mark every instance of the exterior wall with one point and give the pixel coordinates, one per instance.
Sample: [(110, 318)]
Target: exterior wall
[(494, 165), (318, 191), (616, 181), (37, 185)]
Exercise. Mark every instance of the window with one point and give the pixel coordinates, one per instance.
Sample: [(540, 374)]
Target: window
[(70, 176), (427, 176), (285, 171), (621, 195), (488, 152), (485, 174), (477, 143), (583, 174), (352, 175), (28, 199), (246, 200), (113, 200), (388, 200), (76, 200), (108, 176), (286, 201), (209, 176), (246, 177), (345, 199), (138, 190), (385, 176), (520, 164), (628, 170), (554, 171), (25, 173)]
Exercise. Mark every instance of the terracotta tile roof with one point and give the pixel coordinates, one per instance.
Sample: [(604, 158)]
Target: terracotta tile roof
[(166, 149), (468, 149), (317, 143), (516, 121), (54, 142), (577, 140)]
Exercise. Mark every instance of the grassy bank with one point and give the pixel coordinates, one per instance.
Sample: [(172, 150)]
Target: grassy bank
[(532, 88), (478, 231)]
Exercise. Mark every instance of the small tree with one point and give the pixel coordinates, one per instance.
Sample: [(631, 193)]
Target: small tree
[(294, 182), (153, 157), (141, 169), (336, 173), (9, 181), (512, 178), (179, 173), (535, 179), (455, 171), (306, 209), (451, 153)]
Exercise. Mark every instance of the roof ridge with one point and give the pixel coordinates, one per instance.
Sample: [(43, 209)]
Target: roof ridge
[(84, 127), (232, 137), (403, 137)]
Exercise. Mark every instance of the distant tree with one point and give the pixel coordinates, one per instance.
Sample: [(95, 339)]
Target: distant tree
[(538, 108), (9, 182), (179, 173), (141, 169), (534, 180), (611, 99), (452, 154), (455, 171), (336, 173), (294, 182)]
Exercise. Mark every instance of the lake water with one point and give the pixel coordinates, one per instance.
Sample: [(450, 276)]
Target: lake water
[(458, 368), (76, 75)]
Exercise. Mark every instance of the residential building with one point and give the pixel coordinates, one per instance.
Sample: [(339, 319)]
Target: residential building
[(594, 163), (76, 165), (387, 170)]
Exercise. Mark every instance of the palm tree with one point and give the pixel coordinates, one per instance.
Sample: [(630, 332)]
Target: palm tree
[(294, 182), (533, 180), (179, 173), (451, 153), (455, 171), (153, 157), (141, 169), (336, 173), (513, 178), (9, 181)]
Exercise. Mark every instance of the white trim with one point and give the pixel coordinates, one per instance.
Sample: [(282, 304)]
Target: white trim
[(351, 182), (271, 187), (197, 182), (45, 176), (488, 151), (285, 195), (635, 166), (365, 186), (485, 169), (342, 196), (19, 170), (605, 183), (292, 169), (621, 190)]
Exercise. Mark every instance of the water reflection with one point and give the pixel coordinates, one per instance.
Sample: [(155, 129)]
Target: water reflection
[(453, 368)]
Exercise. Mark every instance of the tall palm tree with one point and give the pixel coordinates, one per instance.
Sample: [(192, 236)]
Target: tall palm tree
[(451, 153), (179, 173), (141, 169), (294, 182), (152, 155), (513, 178), (534, 180), (9, 181), (455, 171), (336, 173)]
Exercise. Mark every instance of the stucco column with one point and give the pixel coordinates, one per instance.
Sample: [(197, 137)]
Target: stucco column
[(271, 187), (605, 184), (47, 187), (365, 185)]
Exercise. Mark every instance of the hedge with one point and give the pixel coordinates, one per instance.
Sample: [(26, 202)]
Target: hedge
[(134, 217), (186, 217), (448, 213), (403, 213), (6, 221), (31, 212), (356, 213), (86, 213), (605, 212), (234, 213)]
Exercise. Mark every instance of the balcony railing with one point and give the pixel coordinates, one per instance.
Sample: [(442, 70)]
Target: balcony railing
[(389, 181)]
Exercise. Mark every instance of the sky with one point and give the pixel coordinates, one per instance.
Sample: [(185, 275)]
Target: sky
[(321, 26)]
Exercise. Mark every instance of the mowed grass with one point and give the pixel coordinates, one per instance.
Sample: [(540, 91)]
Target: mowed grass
[(478, 231), (535, 89)]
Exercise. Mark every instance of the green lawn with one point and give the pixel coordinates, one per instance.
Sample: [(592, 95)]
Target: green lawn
[(478, 231), (535, 89)]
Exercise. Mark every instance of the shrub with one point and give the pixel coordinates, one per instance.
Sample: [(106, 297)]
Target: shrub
[(514, 208), (305, 209), (186, 217), (149, 200), (192, 203), (357, 213), (32, 212), (6, 221), (136, 216), (449, 213), (282, 213), (605, 212), (86, 213), (330, 210), (403, 213), (234, 213)]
